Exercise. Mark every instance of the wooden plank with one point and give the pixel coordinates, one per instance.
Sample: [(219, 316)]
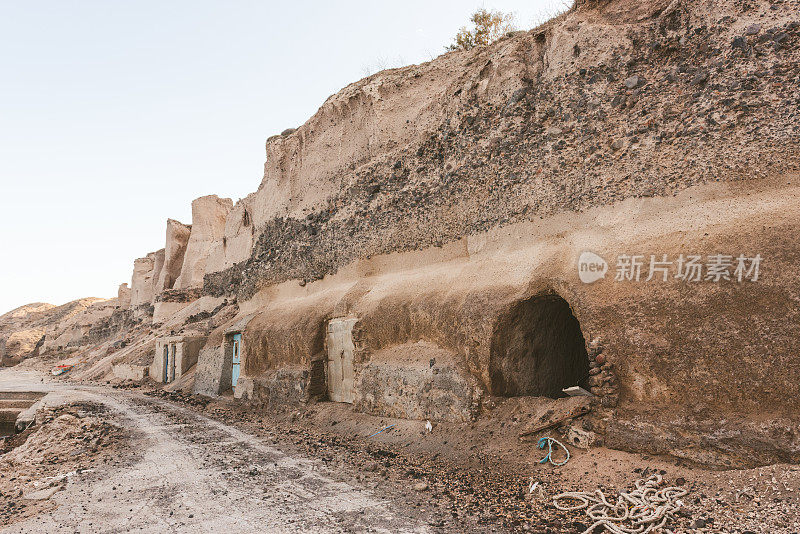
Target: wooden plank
[(577, 412)]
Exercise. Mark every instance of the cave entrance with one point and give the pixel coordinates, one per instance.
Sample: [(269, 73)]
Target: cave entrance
[(538, 349)]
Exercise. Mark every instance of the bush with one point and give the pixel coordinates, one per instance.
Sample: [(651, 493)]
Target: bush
[(488, 26)]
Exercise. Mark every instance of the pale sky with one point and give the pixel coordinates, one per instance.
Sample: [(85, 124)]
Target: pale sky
[(115, 115)]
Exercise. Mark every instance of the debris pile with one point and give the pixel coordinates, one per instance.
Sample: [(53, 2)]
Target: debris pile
[(66, 441)]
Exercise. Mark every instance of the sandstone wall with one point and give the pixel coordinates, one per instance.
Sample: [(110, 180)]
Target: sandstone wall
[(611, 101), (209, 215), (124, 296), (430, 200), (141, 281), (146, 272), (39, 328), (710, 349), (239, 236), (417, 381), (177, 239)]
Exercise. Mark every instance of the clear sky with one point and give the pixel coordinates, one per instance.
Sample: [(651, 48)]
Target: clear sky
[(115, 115)]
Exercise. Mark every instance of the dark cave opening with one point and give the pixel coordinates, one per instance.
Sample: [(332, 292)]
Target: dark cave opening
[(538, 349)]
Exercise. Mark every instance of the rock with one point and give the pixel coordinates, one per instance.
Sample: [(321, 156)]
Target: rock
[(288, 131), (699, 78), (580, 438), (634, 81), (617, 144), (516, 96), (420, 486), (609, 401), (739, 42), (698, 523), (371, 466), (554, 131), (41, 495), (753, 29)]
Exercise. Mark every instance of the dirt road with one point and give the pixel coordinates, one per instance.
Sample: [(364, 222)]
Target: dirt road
[(188, 473)]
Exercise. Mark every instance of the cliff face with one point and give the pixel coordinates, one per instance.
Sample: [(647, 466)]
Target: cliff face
[(436, 205), (174, 252), (37, 328), (611, 101)]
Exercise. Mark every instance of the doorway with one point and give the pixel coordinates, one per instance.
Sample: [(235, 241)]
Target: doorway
[(172, 351), (340, 360), (236, 359), (538, 349), (166, 363)]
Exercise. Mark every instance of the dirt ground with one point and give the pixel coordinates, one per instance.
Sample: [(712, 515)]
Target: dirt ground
[(69, 439), (150, 461), (481, 473)]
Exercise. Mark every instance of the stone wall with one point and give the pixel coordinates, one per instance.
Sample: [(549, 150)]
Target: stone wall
[(212, 376), (417, 381), (281, 387)]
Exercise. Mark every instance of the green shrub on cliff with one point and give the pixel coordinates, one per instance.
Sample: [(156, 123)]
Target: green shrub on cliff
[(488, 26)]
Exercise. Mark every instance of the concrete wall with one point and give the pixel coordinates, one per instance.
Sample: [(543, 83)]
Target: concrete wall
[(214, 365), (187, 349), (125, 371)]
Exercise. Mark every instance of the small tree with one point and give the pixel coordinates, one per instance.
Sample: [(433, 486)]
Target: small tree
[(489, 26)]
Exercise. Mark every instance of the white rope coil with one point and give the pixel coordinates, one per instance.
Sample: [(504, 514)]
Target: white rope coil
[(643, 510)]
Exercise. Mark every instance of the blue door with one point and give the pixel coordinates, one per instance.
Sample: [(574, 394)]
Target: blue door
[(172, 363), (237, 359)]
